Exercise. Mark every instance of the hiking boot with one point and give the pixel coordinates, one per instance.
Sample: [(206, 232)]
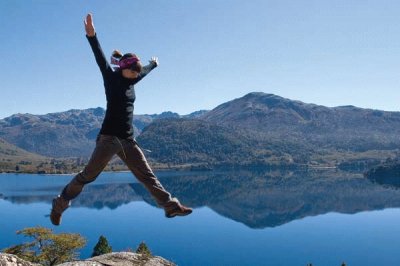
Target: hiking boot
[(59, 206), (177, 209)]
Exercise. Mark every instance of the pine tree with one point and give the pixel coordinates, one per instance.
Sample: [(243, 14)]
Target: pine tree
[(102, 247), (47, 248), (144, 250)]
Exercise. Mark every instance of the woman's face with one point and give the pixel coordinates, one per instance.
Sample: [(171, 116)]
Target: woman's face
[(129, 74)]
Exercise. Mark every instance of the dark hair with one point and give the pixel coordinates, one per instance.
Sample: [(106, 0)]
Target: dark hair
[(135, 67)]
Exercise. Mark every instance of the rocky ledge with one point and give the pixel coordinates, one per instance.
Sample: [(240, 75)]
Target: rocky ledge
[(111, 259), (12, 260)]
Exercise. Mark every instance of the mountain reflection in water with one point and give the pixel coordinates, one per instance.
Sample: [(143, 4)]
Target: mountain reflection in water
[(257, 199)]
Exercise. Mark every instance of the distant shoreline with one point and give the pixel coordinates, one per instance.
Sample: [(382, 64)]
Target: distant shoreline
[(199, 169)]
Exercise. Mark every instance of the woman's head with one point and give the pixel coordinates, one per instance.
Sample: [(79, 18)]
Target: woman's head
[(128, 63)]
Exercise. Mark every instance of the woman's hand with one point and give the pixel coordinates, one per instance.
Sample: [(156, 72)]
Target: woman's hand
[(89, 27), (154, 60)]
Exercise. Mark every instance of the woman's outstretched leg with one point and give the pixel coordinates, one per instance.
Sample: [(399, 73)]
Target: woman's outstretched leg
[(134, 158), (106, 148)]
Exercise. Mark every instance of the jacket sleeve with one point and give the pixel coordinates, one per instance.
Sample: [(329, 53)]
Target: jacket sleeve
[(104, 66), (146, 70)]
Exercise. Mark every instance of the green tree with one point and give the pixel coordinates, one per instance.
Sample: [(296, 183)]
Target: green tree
[(144, 250), (46, 247), (102, 247)]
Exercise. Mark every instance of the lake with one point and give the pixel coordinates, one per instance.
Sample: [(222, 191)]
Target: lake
[(241, 217)]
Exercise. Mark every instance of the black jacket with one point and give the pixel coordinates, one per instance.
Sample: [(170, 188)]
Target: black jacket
[(120, 94)]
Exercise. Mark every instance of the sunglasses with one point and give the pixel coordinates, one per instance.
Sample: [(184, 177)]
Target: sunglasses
[(128, 62)]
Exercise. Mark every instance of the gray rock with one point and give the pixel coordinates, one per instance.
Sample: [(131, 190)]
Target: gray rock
[(121, 259), (111, 259), (12, 260)]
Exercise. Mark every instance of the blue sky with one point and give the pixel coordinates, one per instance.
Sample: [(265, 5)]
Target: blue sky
[(325, 52)]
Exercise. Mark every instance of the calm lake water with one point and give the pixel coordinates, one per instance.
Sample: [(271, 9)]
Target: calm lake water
[(240, 218)]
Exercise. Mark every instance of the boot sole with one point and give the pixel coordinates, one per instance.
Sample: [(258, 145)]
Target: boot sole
[(172, 215)]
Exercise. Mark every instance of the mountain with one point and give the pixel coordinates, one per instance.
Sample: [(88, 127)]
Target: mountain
[(10, 152), (267, 129), (56, 134), (256, 129), (196, 114), (11, 156), (194, 141), (344, 127), (14, 159), (203, 144), (64, 134)]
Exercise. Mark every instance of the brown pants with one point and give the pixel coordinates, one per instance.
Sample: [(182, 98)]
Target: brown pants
[(128, 150)]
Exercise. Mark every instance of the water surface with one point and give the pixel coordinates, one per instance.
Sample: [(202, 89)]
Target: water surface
[(240, 217)]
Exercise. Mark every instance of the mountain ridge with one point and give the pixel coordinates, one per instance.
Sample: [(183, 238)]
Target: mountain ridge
[(63, 134), (260, 127)]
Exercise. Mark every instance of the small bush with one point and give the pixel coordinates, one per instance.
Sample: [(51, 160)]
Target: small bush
[(102, 247)]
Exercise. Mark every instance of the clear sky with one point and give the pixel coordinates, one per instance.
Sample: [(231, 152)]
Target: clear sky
[(328, 52)]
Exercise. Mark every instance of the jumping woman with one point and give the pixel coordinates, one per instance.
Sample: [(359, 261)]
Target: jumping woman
[(116, 134)]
